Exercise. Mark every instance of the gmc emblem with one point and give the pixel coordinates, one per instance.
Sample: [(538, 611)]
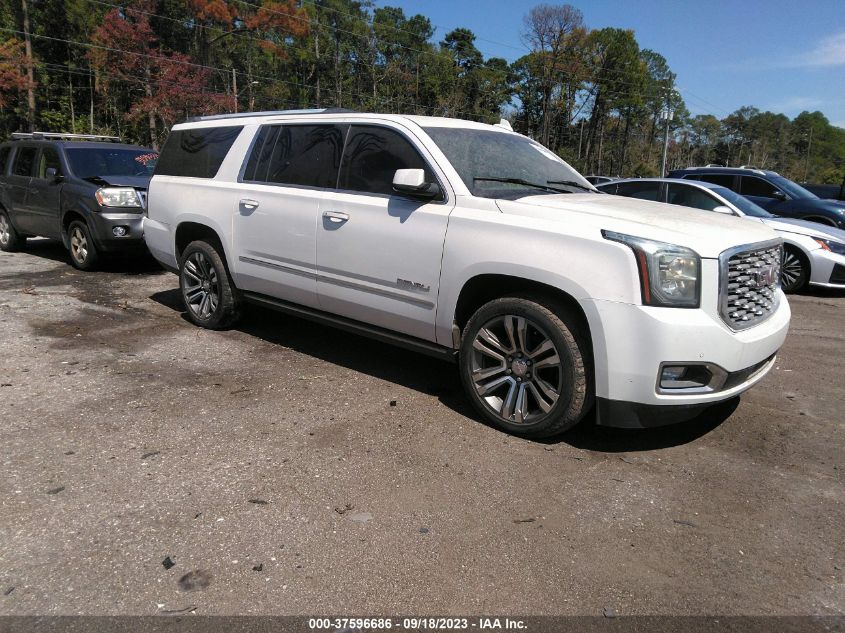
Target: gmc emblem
[(764, 276)]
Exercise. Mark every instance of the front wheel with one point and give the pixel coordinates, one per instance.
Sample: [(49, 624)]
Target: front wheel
[(794, 271), (10, 239), (83, 252), (524, 365), (209, 294)]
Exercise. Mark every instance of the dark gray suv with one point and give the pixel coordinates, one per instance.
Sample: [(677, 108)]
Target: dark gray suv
[(768, 189), (88, 191)]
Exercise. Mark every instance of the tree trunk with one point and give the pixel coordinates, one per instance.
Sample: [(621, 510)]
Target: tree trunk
[(151, 119), (70, 101), (30, 72), (91, 111)]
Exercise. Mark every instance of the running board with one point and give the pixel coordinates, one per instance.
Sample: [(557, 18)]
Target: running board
[(356, 327)]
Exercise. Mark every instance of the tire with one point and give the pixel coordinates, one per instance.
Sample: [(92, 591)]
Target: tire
[(83, 251), (794, 270), (502, 374), (10, 239), (210, 297)]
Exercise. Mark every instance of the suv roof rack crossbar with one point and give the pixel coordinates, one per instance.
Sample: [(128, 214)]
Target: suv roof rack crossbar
[(18, 136), (239, 115)]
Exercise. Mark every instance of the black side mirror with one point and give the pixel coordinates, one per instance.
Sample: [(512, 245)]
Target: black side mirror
[(53, 175), (779, 195)]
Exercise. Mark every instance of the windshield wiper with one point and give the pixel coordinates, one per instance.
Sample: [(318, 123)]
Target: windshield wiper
[(570, 183), (520, 181)]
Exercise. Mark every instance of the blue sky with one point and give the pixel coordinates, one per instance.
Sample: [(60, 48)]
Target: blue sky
[(783, 56)]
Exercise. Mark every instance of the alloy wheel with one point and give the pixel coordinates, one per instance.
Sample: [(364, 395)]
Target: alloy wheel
[(517, 370), (5, 230), (791, 270), (200, 285), (78, 245)]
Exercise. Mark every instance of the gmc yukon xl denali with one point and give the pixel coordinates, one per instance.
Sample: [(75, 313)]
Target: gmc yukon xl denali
[(477, 244)]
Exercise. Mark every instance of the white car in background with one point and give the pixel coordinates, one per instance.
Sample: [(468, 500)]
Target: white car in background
[(813, 253)]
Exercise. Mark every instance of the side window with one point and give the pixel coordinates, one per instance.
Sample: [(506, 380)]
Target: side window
[(372, 156), (753, 186), (4, 158), (24, 161), (641, 190), (49, 158), (196, 153), (723, 180), (301, 155), (691, 197)]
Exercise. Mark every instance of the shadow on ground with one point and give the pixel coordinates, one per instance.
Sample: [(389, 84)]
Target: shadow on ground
[(439, 378), (136, 264)]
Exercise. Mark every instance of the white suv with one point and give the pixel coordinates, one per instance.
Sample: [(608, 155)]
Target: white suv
[(477, 244)]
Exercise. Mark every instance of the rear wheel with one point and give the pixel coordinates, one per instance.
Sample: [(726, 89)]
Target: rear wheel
[(210, 296), (794, 271), (524, 365), (10, 239), (83, 252)]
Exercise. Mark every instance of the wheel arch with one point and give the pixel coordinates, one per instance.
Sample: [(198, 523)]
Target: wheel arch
[(190, 230)]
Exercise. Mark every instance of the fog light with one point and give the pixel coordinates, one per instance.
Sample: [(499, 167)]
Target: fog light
[(685, 377), (120, 231)]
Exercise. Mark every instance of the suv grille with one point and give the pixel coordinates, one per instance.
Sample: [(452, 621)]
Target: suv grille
[(750, 278)]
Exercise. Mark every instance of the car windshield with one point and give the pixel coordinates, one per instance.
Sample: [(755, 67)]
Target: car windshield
[(793, 189), (742, 203), (502, 165), (90, 162)]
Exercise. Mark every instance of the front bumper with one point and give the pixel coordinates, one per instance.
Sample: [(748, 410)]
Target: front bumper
[(827, 269), (103, 224), (635, 340)]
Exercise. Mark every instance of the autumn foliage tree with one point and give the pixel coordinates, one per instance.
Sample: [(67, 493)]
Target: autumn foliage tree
[(13, 77)]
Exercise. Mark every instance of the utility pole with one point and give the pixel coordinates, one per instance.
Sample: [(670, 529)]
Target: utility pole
[(666, 115), (235, 88)]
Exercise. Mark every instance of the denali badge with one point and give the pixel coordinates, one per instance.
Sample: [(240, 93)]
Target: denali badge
[(412, 285)]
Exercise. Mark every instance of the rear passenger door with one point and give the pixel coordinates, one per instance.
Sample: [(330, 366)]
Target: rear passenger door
[(18, 188), (379, 252), (288, 170)]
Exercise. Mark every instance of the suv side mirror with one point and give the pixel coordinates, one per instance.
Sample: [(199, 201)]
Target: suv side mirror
[(723, 209), (412, 182), (53, 174), (778, 195)]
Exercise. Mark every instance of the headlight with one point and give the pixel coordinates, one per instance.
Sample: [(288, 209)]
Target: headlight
[(831, 245), (670, 275), (117, 197)]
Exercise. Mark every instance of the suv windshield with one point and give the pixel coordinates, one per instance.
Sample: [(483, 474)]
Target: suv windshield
[(794, 190), (742, 203), (502, 165), (89, 162)]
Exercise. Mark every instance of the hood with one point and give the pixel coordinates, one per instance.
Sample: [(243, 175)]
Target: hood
[(803, 227), (707, 233), (139, 182)]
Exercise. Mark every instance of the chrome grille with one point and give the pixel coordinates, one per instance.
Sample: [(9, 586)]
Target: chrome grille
[(750, 279)]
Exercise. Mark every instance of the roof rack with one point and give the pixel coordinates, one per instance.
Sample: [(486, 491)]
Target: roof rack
[(240, 115), (19, 136)]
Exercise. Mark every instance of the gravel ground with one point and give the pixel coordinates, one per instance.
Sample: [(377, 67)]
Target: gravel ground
[(287, 468)]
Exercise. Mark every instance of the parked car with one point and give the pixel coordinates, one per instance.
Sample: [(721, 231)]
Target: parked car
[(597, 180), (475, 244), (776, 194), (826, 192), (813, 253), (88, 191)]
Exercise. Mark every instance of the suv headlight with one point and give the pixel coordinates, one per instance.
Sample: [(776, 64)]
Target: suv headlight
[(117, 197), (670, 275)]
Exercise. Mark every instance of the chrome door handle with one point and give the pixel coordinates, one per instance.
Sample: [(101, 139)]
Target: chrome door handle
[(249, 204), (336, 216)]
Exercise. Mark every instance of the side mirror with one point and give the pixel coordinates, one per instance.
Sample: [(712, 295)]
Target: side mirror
[(53, 174), (412, 182), (778, 195), (723, 209)]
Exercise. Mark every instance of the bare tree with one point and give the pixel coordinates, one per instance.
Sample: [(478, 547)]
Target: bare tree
[(550, 31)]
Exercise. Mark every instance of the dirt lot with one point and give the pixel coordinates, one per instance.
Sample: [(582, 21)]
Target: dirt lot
[(305, 471)]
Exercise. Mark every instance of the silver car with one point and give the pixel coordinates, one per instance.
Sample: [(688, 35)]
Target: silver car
[(813, 253)]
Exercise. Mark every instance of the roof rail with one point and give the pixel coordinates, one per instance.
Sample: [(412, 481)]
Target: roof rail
[(19, 136), (754, 167), (239, 115), (710, 165)]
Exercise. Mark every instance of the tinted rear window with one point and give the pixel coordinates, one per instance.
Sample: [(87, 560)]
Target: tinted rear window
[(196, 153), (24, 161), (300, 155), (723, 180), (4, 156)]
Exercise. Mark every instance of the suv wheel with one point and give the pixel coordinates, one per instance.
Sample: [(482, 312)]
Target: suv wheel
[(794, 271), (10, 241), (523, 365), (210, 296), (83, 253)]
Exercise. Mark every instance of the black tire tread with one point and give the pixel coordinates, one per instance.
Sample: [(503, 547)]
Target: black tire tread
[(229, 308)]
